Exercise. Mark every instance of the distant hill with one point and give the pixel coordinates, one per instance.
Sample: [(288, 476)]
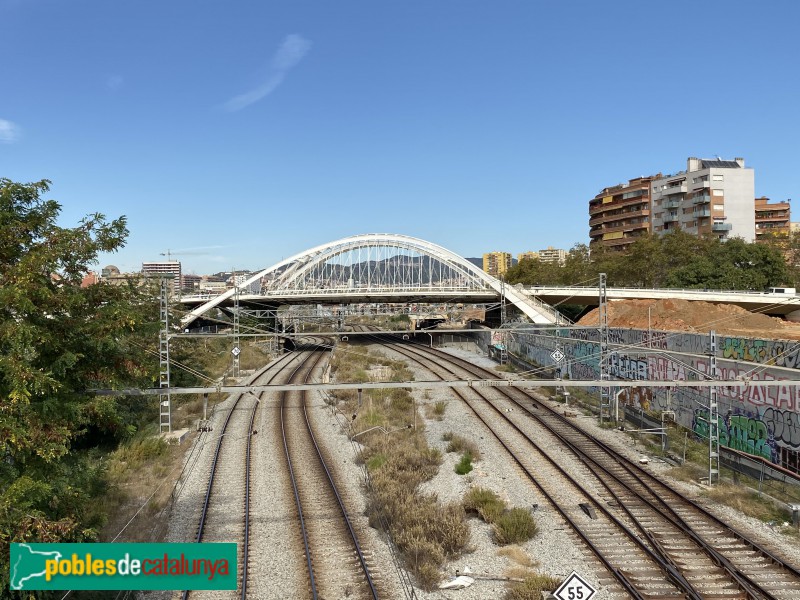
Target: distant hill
[(478, 262)]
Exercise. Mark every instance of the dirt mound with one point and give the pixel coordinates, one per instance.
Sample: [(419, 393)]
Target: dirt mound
[(701, 317)]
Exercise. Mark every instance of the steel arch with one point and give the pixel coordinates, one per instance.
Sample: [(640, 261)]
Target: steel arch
[(374, 256)]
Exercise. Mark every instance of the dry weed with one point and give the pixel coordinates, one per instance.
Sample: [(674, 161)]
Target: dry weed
[(518, 555)]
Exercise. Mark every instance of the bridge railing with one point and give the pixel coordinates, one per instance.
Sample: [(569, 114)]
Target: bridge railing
[(580, 290), (366, 289), (543, 307)]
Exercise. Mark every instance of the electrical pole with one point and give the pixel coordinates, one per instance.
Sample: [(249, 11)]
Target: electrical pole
[(503, 349), (713, 413), (605, 350), (236, 349), (165, 415)]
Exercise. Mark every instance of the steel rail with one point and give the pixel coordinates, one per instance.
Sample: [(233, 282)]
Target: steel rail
[(215, 460), (316, 357), (621, 578), (746, 584), (246, 551), (298, 503), (361, 558)]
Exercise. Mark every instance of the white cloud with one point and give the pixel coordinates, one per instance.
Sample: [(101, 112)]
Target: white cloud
[(288, 55), (9, 132)]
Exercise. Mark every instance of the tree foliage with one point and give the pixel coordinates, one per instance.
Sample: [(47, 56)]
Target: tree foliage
[(58, 339), (675, 260)]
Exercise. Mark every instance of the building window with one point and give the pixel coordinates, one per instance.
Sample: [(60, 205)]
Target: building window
[(718, 178), (718, 192), (719, 207)]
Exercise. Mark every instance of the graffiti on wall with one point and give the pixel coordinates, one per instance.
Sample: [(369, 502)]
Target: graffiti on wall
[(622, 366), (784, 426), (637, 397), (757, 420), (740, 432)]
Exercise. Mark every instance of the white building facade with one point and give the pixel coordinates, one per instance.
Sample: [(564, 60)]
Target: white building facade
[(711, 197)]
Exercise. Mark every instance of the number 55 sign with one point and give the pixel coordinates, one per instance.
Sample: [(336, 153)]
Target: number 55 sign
[(574, 588)]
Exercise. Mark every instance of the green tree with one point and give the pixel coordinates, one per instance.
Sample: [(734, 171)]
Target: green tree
[(787, 246), (58, 339), (730, 265), (533, 272)]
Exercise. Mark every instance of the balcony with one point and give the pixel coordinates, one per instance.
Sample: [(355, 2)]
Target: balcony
[(670, 218), (703, 212), (673, 203), (704, 199), (721, 227), (675, 189), (701, 185)]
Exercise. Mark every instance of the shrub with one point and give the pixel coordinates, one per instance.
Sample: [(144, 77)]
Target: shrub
[(457, 443), (464, 466), (439, 407), (514, 526), (532, 587), (485, 503), (450, 529), (428, 576), (424, 531), (376, 462)]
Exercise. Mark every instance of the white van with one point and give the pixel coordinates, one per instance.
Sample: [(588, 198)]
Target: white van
[(783, 290)]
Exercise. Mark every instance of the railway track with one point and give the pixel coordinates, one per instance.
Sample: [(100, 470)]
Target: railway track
[(652, 542), (229, 482), (336, 565), (333, 563)]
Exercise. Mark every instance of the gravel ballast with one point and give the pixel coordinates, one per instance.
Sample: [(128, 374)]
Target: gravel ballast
[(553, 551)]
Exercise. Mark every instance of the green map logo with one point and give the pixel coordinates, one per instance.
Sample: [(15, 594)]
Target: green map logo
[(123, 566), (28, 563)]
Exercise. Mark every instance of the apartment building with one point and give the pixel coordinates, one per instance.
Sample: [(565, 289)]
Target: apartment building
[(191, 282), (530, 255), (553, 255), (621, 213), (496, 263), (772, 218), (714, 197), (166, 267)]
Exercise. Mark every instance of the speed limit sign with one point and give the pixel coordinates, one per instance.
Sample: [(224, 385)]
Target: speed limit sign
[(574, 588)]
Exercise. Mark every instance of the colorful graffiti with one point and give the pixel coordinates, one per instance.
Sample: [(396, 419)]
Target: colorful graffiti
[(744, 349), (749, 435), (738, 432), (758, 420), (637, 397)]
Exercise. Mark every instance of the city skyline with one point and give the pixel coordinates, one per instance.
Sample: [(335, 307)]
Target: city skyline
[(234, 137)]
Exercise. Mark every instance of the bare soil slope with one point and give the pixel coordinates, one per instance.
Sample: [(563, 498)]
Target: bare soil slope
[(700, 317)]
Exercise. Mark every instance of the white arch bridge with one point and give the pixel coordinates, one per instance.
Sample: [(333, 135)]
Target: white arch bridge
[(374, 267)]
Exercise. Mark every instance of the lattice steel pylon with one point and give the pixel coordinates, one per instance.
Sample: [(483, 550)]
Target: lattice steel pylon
[(503, 316), (236, 350), (713, 413), (164, 404), (605, 349)]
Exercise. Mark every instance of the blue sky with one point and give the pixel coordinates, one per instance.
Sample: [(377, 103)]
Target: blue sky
[(238, 133)]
